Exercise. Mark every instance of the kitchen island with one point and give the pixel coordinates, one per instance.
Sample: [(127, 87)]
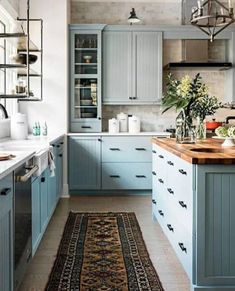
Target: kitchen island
[(193, 201)]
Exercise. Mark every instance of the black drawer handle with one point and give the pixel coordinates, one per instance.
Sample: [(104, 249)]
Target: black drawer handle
[(170, 163), (5, 191), (182, 172), (154, 173), (114, 149), (43, 179), (58, 146), (86, 126), (114, 176), (161, 156), (170, 191), (61, 142), (182, 204), (134, 98), (60, 155), (130, 98), (160, 212), (53, 145), (161, 181), (140, 176), (170, 227), (99, 139), (183, 248), (154, 152), (140, 149), (154, 201)]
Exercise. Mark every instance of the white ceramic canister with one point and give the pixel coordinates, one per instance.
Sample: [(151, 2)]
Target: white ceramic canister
[(123, 121), (19, 126), (134, 124), (113, 125)]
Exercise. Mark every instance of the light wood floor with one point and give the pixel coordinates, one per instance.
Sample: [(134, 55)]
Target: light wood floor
[(162, 255)]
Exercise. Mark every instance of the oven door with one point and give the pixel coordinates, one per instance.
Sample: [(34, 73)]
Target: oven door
[(22, 221)]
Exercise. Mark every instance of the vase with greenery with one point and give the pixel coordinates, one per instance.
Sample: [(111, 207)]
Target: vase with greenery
[(191, 97)]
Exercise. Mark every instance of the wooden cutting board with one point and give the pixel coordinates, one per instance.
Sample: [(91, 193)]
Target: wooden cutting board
[(4, 157)]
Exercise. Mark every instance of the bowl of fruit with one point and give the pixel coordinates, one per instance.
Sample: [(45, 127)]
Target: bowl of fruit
[(227, 133)]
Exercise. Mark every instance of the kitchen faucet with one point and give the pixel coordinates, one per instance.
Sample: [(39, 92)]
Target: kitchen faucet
[(229, 118), (3, 110)]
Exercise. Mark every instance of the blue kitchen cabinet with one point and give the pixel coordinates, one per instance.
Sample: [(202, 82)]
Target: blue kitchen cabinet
[(6, 233), (132, 66), (36, 214), (84, 163), (85, 78)]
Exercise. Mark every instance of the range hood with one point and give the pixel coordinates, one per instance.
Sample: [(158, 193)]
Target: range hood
[(195, 55)]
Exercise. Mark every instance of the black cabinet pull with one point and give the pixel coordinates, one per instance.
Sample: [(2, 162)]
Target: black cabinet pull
[(99, 118), (161, 181), (170, 191), (134, 98), (181, 203), (154, 152), (86, 126), (154, 201), (114, 176), (130, 98), (99, 139), (154, 173), (170, 227), (114, 149), (43, 179), (58, 146), (53, 145), (161, 156), (60, 155), (160, 212), (140, 149), (183, 248), (140, 176), (5, 191), (170, 163), (61, 142), (182, 172)]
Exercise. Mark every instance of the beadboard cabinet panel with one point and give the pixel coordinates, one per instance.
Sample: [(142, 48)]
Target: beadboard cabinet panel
[(148, 66), (116, 66), (6, 235), (84, 163)]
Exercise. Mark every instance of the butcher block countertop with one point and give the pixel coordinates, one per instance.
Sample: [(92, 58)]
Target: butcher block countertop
[(208, 151)]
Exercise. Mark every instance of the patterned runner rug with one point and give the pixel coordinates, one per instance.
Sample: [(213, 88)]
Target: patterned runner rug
[(103, 252)]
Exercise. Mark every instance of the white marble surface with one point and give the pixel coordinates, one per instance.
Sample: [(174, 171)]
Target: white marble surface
[(142, 133), (23, 150)]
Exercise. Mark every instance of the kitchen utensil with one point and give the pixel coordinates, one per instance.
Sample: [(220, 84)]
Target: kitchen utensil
[(113, 125), (134, 124), (19, 126), (212, 125), (123, 121), (87, 59), (5, 157)]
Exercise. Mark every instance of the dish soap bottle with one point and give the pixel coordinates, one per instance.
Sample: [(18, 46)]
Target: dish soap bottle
[(38, 129), (35, 129)]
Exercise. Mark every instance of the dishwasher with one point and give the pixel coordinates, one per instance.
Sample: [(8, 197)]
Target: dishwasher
[(23, 219)]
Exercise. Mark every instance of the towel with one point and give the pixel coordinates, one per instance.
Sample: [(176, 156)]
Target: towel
[(51, 162)]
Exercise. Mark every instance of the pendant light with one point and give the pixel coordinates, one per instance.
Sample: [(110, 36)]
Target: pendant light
[(212, 16), (133, 18)]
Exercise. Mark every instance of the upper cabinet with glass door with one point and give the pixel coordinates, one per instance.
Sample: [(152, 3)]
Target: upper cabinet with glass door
[(85, 78)]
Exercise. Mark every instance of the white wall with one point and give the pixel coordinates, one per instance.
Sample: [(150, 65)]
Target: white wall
[(53, 109)]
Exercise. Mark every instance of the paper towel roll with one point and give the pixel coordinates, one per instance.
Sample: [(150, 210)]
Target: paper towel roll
[(19, 126), (113, 125), (134, 124), (123, 122)]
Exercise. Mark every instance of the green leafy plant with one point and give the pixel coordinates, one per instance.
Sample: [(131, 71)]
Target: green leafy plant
[(191, 95)]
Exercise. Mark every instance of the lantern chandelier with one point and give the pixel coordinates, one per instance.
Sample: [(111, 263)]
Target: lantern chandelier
[(212, 16)]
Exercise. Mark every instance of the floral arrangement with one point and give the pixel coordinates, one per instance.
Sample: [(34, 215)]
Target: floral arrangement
[(190, 95)]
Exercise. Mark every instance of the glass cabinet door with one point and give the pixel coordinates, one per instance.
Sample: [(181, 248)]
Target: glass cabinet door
[(85, 98), (85, 56)]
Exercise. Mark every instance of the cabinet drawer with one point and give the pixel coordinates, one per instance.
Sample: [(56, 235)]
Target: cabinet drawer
[(86, 126), (126, 176), (126, 149)]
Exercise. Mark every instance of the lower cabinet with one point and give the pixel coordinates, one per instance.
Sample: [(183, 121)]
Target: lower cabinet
[(110, 163), (6, 233)]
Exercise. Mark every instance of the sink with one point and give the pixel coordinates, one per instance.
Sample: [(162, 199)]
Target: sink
[(207, 150)]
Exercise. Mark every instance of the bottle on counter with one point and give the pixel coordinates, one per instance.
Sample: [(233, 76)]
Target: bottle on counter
[(44, 129), (38, 129), (35, 129)]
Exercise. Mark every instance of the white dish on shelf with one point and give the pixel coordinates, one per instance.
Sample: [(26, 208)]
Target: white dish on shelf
[(228, 141)]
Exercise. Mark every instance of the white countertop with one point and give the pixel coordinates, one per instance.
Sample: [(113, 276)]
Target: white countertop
[(142, 133), (23, 150)]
